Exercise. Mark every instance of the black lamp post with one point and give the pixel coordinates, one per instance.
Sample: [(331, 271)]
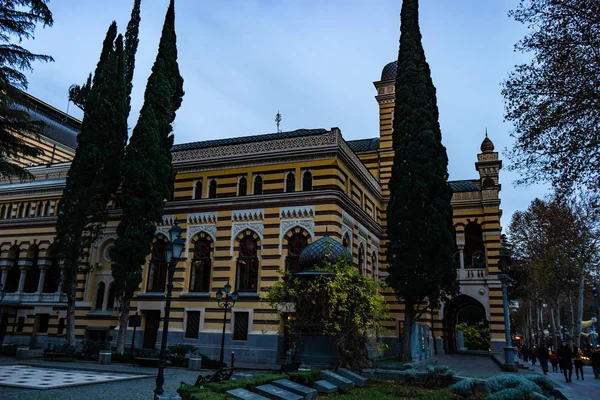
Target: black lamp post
[(509, 355), (595, 290), (173, 251), (226, 305), (2, 294)]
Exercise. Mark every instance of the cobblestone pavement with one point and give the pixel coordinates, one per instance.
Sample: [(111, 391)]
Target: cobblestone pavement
[(475, 366), (137, 389)]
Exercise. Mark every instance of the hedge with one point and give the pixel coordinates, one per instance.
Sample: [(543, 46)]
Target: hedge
[(215, 391)]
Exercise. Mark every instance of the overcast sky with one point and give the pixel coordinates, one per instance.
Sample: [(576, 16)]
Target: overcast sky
[(313, 60)]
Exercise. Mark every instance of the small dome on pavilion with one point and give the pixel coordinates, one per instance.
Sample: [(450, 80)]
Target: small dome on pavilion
[(389, 71), (487, 146), (318, 250)]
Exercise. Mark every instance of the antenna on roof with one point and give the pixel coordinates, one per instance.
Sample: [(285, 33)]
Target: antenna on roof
[(278, 120)]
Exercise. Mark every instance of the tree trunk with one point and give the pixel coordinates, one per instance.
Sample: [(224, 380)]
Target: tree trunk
[(539, 331), (71, 314), (577, 337), (435, 351), (124, 308), (571, 330), (530, 326), (406, 348), (553, 327)]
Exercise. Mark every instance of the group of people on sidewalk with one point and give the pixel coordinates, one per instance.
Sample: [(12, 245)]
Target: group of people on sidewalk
[(564, 358)]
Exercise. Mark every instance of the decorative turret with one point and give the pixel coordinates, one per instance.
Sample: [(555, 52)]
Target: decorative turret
[(488, 165)]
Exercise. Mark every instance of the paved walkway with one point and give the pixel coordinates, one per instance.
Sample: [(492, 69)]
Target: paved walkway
[(474, 366), (588, 389)]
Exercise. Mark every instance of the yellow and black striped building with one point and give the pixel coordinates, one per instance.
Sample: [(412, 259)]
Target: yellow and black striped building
[(247, 206)]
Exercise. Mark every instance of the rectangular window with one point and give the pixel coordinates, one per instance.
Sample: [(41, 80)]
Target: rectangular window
[(20, 324), (192, 326), (247, 275), (240, 326), (43, 321), (61, 326), (200, 279)]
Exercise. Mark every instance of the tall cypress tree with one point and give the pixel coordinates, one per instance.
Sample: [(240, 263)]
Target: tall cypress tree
[(419, 214), (148, 173), (95, 172)]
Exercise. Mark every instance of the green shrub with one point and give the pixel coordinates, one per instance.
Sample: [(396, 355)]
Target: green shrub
[(209, 363), (177, 354), (248, 384), (410, 375), (468, 387), (306, 378), (406, 366), (8, 350), (513, 387), (438, 375), (544, 383), (194, 393), (91, 348)]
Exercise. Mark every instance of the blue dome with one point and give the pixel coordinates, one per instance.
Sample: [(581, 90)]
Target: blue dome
[(316, 252), (389, 71)]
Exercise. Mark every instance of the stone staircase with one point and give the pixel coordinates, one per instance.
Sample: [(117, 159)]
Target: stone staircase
[(330, 383)]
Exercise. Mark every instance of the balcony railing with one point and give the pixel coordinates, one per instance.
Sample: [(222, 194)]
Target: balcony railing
[(21, 297)]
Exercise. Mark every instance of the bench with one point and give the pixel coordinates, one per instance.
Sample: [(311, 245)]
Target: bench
[(146, 361), (58, 352)]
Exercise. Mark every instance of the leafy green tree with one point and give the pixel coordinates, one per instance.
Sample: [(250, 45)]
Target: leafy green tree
[(419, 214), (18, 19), (148, 173), (553, 99), (95, 172), (343, 305)]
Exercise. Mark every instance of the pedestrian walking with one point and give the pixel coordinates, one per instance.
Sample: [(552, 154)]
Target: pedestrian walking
[(542, 355), (565, 360), (595, 358), (554, 362), (578, 361), (525, 353), (532, 355)]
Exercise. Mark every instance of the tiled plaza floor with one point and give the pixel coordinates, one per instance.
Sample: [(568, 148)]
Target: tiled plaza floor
[(24, 376), (475, 366)]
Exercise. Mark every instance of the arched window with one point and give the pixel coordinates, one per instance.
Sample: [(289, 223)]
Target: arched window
[(296, 243), (247, 265), (212, 189), (157, 271), (39, 209), (375, 266), (3, 211), (110, 303), (52, 280), (9, 211), (474, 252), (258, 184), (307, 181), (33, 275), (361, 260), (242, 186), (22, 211), (201, 264), (290, 182), (28, 210), (58, 209), (100, 296), (346, 242), (12, 278), (47, 209), (198, 190)]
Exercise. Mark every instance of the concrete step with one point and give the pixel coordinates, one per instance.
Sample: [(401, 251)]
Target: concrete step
[(344, 384), (275, 393), (325, 388), (359, 381), (304, 391), (243, 394)]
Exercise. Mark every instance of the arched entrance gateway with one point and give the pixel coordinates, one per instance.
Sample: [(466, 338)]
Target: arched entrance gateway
[(467, 311)]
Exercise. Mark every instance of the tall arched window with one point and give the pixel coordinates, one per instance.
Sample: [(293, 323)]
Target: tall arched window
[(346, 242), (361, 260), (247, 265), (258, 184), (12, 279), (3, 211), (39, 209), (290, 182), (47, 209), (296, 243), (9, 211), (33, 275), (22, 211), (28, 210), (201, 265), (212, 189), (198, 190), (100, 296), (242, 186), (52, 280), (474, 252), (307, 181), (157, 271), (375, 266), (110, 302)]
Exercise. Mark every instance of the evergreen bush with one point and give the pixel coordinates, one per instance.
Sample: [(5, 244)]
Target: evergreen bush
[(512, 387), (468, 387), (544, 383), (8, 350)]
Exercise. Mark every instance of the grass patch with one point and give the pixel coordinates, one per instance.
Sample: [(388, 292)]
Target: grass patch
[(395, 390)]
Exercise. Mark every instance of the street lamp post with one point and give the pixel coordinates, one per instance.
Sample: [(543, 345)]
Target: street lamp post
[(226, 305), (2, 294), (173, 252), (509, 355)]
